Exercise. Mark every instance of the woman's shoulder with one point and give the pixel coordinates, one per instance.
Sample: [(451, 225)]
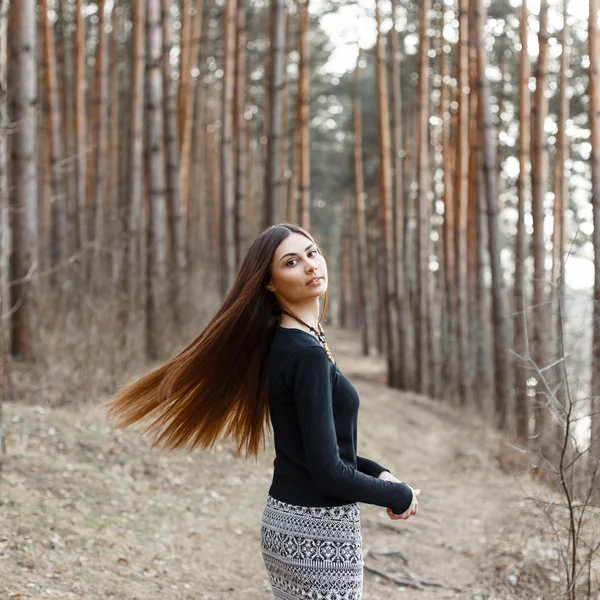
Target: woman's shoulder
[(291, 345)]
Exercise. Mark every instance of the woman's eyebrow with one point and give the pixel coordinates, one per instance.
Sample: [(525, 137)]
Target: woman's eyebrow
[(294, 253)]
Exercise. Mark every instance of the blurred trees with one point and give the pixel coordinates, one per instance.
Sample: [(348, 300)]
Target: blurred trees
[(145, 143)]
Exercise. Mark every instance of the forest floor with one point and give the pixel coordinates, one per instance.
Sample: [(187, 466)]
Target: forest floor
[(88, 512)]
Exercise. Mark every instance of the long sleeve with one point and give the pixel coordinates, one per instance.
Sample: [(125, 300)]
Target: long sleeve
[(312, 396), (369, 467)]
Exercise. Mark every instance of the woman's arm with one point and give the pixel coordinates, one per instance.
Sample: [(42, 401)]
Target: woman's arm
[(311, 392), (369, 467)]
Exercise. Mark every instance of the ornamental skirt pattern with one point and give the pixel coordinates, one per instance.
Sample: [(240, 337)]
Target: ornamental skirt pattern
[(312, 552)]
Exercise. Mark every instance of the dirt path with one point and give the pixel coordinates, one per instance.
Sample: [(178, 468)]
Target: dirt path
[(86, 512)]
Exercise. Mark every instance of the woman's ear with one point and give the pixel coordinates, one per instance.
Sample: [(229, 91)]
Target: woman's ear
[(270, 287)]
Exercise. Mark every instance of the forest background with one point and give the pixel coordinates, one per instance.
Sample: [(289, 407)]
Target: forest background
[(444, 154)]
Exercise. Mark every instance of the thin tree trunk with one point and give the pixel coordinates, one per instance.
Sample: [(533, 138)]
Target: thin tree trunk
[(175, 227), (58, 210), (561, 188), (364, 296), (136, 245), (80, 118), (522, 403), (22, 82), (285, 128), (423, 214), (539, 182), (488, 158), (116, 220), (461, 182), (5, 233), (227, 154), (241, 134), (386, 257), (185, 66), (594, 108), (303, 114), (449, 373), (97, 158), (273, 182), (405, 355), (188, 89), (156, 174)]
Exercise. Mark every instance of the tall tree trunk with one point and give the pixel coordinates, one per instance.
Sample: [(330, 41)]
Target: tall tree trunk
[(5, 233), (227, 154), (522, 403), (303, 114), (66, 74), (594, 108), (22, 83), (364, 296), (241, 134), (403, 375), (461, 197), (80, 118), (96, 175), (136, 245), (450, 311), (58, 210), (188, 90), (561, 188), (386, 257), (156, 174), (422, 331), (176, 252), (285, 128), (539, 182), (115, 218), (488, 158), (185, 65), (273, 183)]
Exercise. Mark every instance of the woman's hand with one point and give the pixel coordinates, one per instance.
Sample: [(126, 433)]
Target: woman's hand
[(414, 506)]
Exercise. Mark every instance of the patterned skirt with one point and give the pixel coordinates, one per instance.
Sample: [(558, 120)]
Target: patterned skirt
[(312, 552)]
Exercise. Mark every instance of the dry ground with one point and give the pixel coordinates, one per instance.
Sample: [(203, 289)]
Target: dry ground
[(87, 512)]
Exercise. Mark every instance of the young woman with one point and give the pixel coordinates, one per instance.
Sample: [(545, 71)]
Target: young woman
[(263, 357)]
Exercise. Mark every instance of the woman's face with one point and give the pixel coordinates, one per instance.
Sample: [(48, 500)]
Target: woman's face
[(296, 263)]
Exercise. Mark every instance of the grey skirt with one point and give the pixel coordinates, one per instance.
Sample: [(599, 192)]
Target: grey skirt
[(312, 552)]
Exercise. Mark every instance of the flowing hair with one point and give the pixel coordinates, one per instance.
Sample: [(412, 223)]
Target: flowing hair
[(219, 381)]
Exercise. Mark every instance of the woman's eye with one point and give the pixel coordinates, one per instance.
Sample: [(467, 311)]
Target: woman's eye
[(289, 262), (313, 252)]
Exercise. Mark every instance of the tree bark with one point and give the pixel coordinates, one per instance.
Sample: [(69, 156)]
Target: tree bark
[(594, 108), (276, 88), (539, 182), (488, 158), (80, 118), (522, 402), (176, 252), (386, 257), (561, 194), (461, 181), (303, 114), (156, 175), (136, 244), (364, 297), (58, 214), (405, 362), (227, 153), (241, 134)]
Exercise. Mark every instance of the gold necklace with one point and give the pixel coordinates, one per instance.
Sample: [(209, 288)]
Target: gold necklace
[(320, 335)]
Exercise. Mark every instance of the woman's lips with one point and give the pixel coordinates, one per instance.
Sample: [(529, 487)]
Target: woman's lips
[(316, 281)]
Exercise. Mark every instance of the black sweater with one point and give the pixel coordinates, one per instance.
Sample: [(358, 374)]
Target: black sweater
[(314, 413)]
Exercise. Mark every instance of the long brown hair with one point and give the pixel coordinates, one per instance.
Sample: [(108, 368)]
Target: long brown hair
[(219, 381)]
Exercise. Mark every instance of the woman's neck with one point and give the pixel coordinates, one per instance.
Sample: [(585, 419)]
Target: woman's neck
[(309, 313)]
